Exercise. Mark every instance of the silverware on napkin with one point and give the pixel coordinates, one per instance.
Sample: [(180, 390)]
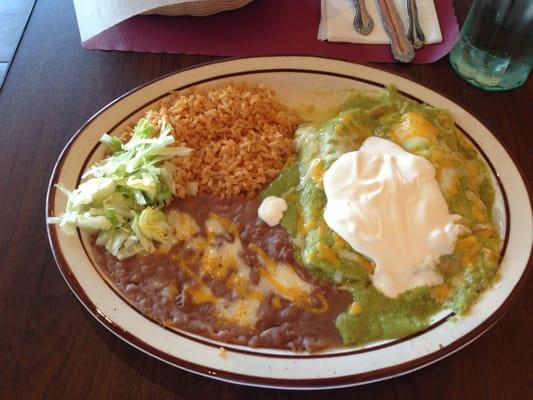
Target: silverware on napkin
[(401, 49), (414, 31), (362, 21)]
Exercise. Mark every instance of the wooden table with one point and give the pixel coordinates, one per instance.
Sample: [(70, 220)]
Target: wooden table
[(50, 347)]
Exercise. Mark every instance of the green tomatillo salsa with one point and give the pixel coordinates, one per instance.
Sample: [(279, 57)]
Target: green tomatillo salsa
[(463, 178)]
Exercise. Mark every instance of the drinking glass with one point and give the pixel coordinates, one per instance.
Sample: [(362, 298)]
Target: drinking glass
[(495, 48)]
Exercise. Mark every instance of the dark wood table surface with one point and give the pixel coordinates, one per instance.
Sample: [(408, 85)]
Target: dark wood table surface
[(50, 347)]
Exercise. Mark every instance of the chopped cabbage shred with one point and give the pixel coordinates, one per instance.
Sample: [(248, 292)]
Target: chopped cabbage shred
[(122, 196)]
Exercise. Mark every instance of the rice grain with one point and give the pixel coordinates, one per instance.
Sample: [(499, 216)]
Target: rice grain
[(241, 137)]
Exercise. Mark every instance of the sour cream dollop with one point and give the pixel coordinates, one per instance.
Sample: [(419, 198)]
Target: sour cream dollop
[(387, 204), (271, 210)]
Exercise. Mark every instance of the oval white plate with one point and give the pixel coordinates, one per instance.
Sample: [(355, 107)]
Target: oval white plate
[(302, 82)]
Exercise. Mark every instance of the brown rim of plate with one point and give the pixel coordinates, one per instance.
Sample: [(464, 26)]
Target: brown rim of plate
[(346, 380)]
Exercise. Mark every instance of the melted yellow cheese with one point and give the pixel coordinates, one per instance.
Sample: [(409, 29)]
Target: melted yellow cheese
[(242, 311), (216, 224), (290, 196), (327, 253), (363, 262), (183, 225), (414, 124), (201, 293), (276, 302), (468, 249), (440, 292), (242, 286), (355, 308), (217, 262), (219, 258), (317, 171), (287, 283), (339, 243)]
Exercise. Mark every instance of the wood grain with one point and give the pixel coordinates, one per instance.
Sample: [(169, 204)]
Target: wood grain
[(50, 347)]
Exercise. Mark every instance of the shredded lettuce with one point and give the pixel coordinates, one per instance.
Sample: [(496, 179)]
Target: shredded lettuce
[(122, 196), (153, 224)]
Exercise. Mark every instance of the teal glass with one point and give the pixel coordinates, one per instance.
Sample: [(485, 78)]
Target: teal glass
[(495, 48)]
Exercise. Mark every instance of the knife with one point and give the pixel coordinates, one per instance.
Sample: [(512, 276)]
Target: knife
[(401, 49)]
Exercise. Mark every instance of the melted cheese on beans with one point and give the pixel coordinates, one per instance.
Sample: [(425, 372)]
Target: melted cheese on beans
[(219, 254)]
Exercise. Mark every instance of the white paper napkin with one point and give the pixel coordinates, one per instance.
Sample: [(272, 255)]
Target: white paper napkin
[(336, 21)]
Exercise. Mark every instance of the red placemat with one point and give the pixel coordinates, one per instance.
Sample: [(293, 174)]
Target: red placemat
[(264, 27)]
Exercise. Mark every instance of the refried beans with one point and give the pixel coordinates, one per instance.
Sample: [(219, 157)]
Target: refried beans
[(230, 277)]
